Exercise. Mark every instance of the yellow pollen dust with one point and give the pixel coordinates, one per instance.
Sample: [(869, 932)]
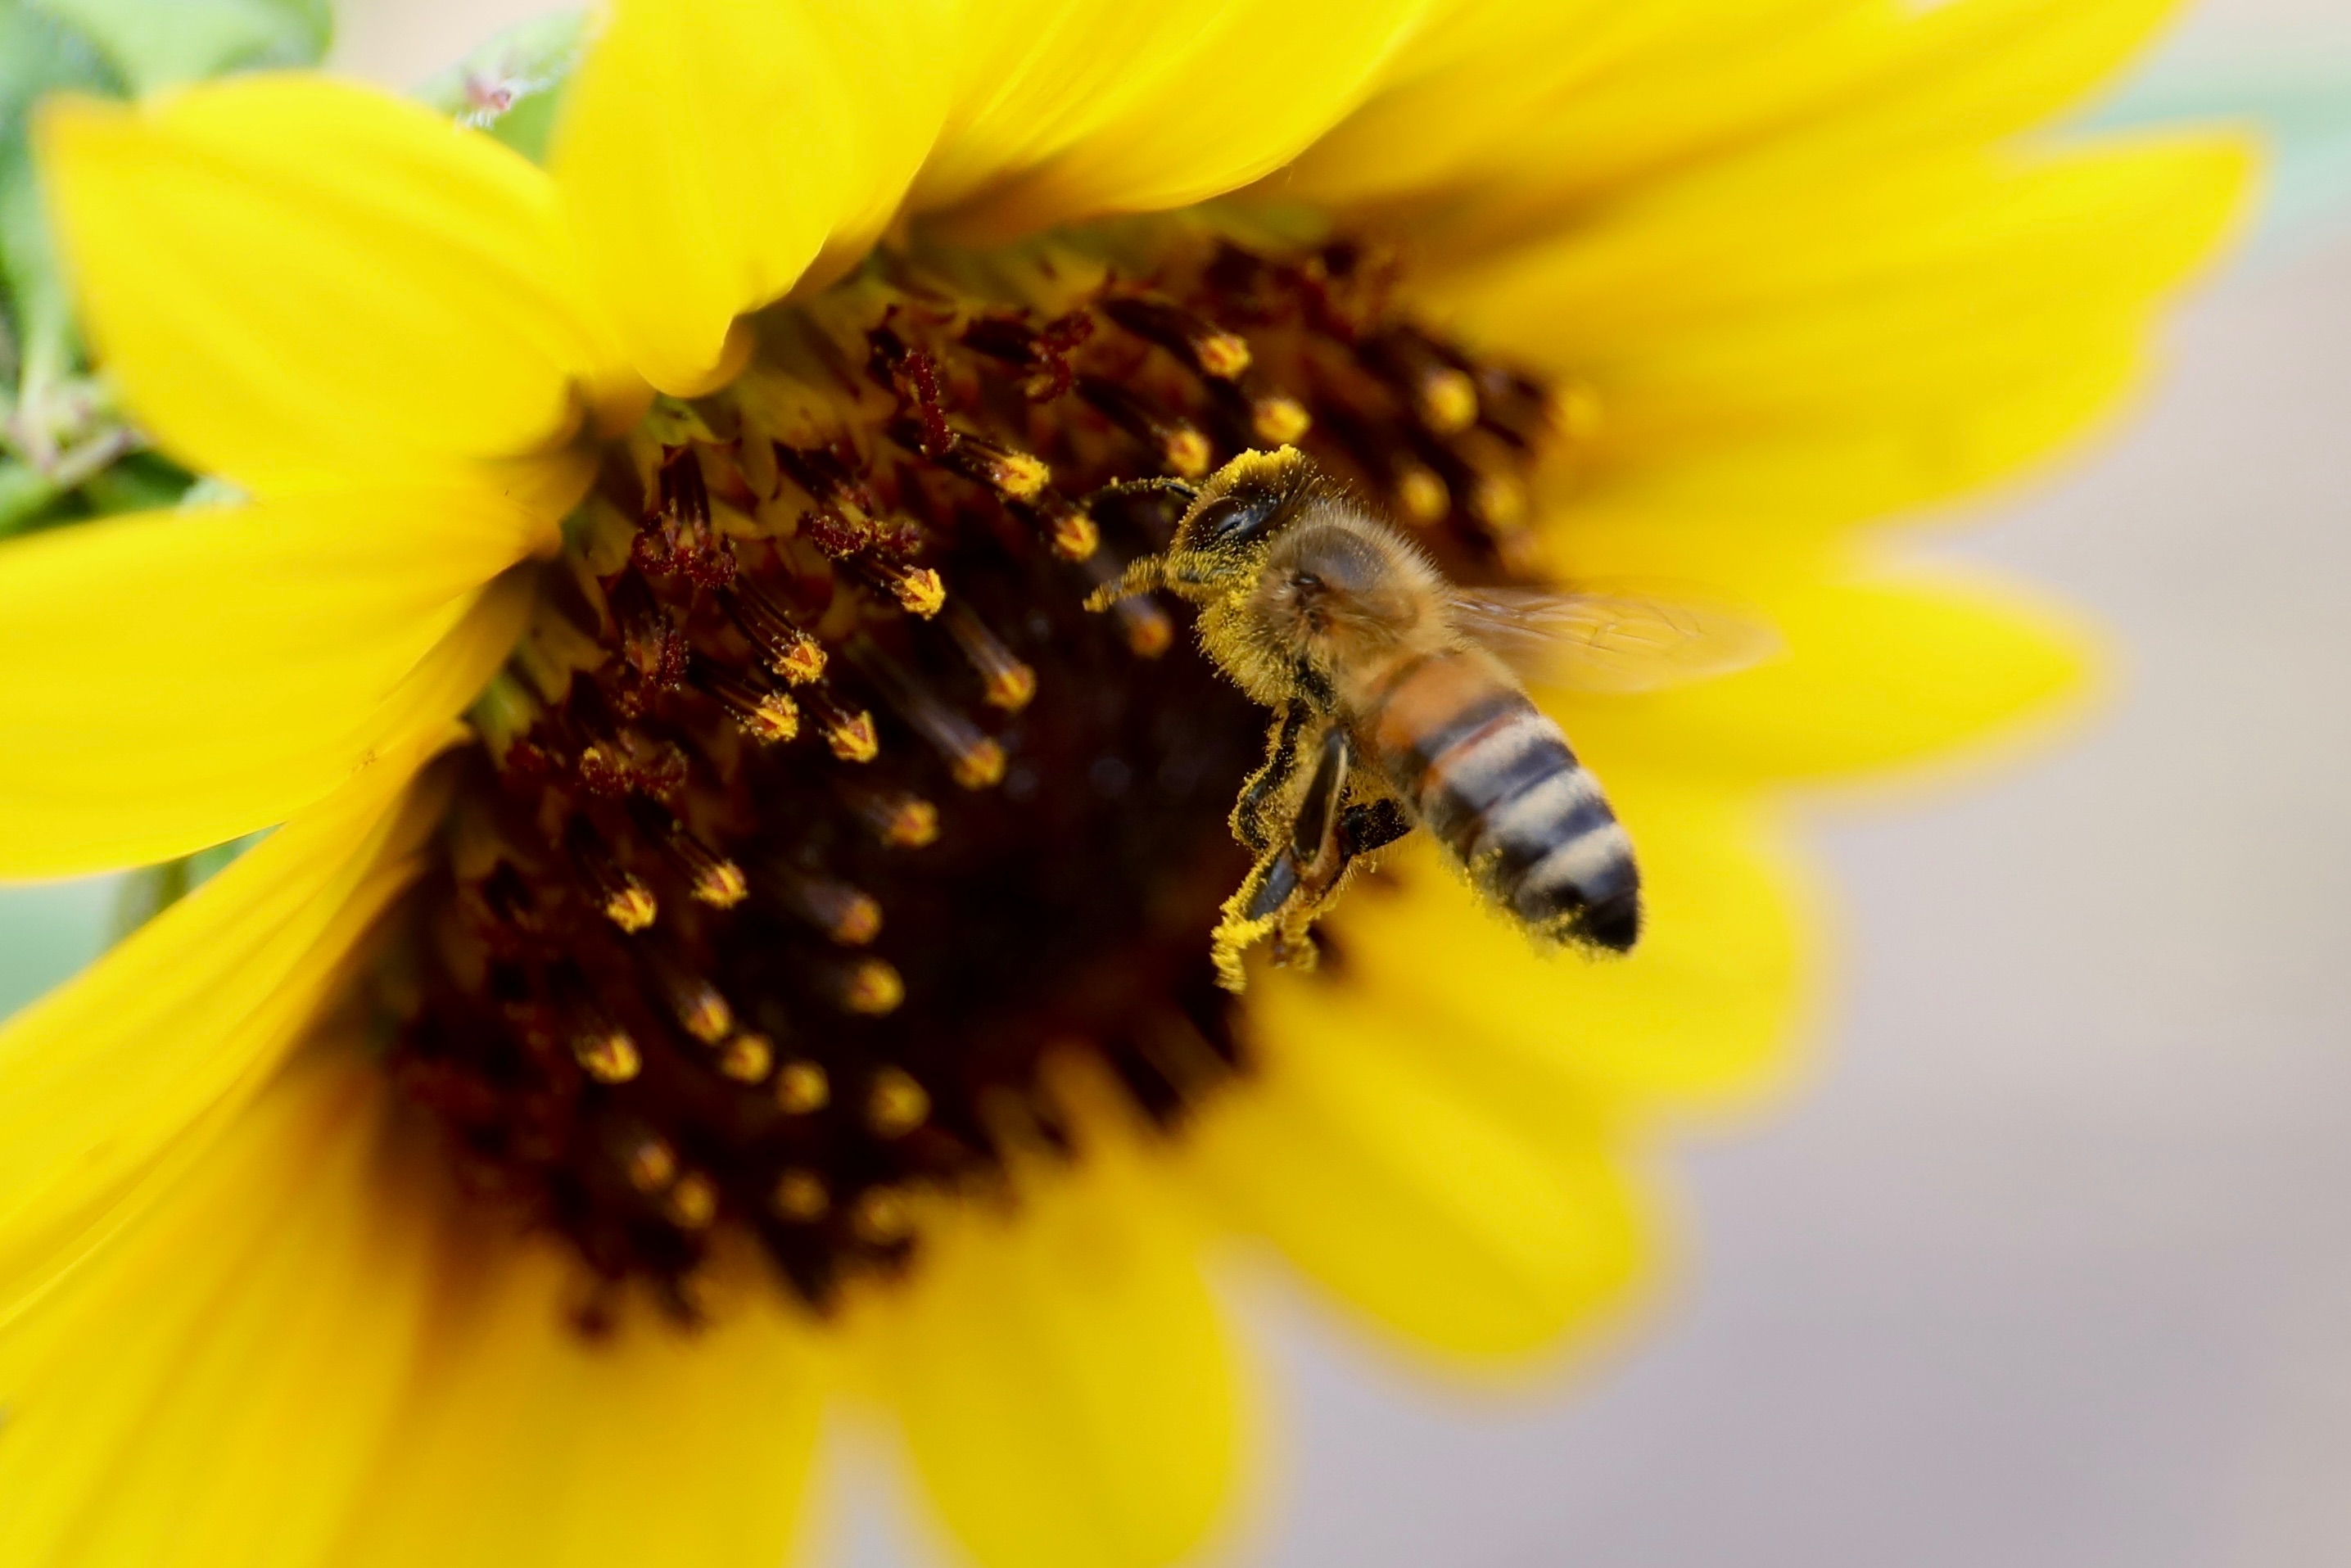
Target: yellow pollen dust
[(1021, 475), (883, 1216), (802, 1195), (706, 1016), (979, 766), (859, 922), (1075, 536), (854, 738), (919, 591), (1422, 494), (653, 1165), (1187, 452), (895, 1104), (1279, 420), (801, 1087), (873, 988), (800, 663), (1010, 688), (912, 824), (1448, 401), (631, 906), (776, 719), (1223, 355), (609, 1057), (692, 1201), (748, 1057), (721, 885)]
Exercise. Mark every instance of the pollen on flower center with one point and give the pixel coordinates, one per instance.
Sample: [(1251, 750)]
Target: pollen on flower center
[(814, 815)]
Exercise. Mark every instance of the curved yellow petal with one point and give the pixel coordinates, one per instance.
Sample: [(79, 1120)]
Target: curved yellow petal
[(178, 678), (1403, 1194), (215, 1387), (1068, 111), (712, 150), (1062, 1379), (109, 1084), (353, 290), (522, 1441), (1703, 1013), (1880, 669), (1523, 132)]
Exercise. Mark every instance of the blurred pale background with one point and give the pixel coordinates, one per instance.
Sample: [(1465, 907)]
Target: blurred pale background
[(2049, 1263)]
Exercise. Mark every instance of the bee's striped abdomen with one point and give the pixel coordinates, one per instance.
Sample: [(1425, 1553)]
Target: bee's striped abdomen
[(1497, 783)]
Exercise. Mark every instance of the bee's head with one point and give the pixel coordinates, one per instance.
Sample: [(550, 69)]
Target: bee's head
[(1226, 529)]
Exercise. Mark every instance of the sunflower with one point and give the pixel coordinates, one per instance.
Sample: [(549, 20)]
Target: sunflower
[(734, 933)]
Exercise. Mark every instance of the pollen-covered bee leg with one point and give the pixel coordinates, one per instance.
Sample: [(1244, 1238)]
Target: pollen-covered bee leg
[(1370, 825), (1266, 785), (1293, 881)]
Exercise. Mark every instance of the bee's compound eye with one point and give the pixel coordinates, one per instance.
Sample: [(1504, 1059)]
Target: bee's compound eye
[(1233, 518)]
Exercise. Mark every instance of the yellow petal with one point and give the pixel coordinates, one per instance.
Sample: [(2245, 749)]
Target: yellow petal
[(1400, 1192), (1062, 1379), (712, 148), (1066, 111), (178, 678), (524, 1441), (215, 1386), (1533, 130), (298, 282), (1876, 671), (1702, 1013), (111, 1083)]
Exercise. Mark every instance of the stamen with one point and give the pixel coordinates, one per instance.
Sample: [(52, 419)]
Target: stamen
[(791, 653), (802, 1088), (883, 1216), (842, 912), (692, 1201), (711, 877), (1278, 419), (1015, 475), (975, 761), (849, 732), (748, 1057), (607, 1053), (900, 820), (693, 1000), (766, 715), (870, 986), (917, 589), (617, 893), (651, 1165), (1178, 442), (1006, 683), (1209, 349), (801, 1195), (895, 1103)]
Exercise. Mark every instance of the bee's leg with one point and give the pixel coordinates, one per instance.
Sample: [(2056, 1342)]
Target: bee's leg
[(1273, 776), (1370, 825), (1316, 849)]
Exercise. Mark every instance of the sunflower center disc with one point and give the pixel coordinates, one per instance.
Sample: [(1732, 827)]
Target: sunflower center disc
[(814, 817)]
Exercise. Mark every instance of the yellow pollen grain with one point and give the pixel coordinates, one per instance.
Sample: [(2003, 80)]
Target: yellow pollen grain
[(1279, 419), (895, 1104), (800, 663), (653, 1165), (912, 824), (859, 922), (980, 766), (873, 988), (1010, 688), (721, 885), (919, 591), (802, 1195), (854, 738), (883, 1216), (1222, 355), (631, 906), (610, 1057), (1075, 536), (1447, 400), (1021, 475), (776, 719), (748, 1057), (1187, 451), (1149, 633), (692, 1201), (1422, 494), (802, 1087)]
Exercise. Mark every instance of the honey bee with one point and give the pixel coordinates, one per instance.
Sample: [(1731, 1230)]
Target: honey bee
[(1397, 702)]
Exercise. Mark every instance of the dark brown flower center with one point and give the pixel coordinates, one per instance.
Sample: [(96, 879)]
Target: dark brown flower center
[(815, 816)]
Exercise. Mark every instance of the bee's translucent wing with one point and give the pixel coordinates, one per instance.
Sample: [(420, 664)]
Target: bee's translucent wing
[(1612, 641)]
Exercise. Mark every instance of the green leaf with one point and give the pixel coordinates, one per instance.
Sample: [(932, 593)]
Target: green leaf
[(512, 85), (157, 43)]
